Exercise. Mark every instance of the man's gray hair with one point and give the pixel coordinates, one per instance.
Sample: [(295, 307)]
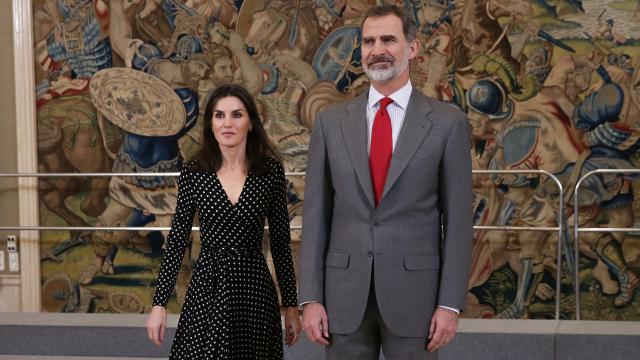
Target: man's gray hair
[(408, 23)]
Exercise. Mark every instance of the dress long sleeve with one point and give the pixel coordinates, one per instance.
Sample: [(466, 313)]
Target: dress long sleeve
[(178, 239), (280, 237)]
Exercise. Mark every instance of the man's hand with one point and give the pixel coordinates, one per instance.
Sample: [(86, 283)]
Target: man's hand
[(315, 323), (442, 328)]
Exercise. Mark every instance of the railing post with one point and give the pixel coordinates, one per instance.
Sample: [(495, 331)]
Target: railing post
[(576, 224), (559, 228)]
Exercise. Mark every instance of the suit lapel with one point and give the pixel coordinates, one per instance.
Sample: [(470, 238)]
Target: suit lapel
[(415, 127), (354, 130)]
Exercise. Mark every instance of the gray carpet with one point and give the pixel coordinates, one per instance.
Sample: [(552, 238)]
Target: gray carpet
[(113, 336)]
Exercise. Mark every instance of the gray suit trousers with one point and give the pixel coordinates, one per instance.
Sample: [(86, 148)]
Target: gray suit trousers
[(372, 335)]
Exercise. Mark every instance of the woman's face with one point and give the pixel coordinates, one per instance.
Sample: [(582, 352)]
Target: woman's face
[(230, 122)]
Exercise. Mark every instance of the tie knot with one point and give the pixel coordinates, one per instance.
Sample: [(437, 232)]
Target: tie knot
[(385, 101)]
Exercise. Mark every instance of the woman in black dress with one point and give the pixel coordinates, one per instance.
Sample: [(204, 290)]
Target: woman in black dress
[(231, 310)]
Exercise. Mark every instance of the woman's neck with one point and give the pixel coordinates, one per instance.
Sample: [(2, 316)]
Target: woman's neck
[(234, 158)]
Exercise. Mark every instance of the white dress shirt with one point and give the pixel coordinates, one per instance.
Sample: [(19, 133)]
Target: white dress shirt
[(397, 110)]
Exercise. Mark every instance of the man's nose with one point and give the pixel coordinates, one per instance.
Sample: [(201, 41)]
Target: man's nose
[(378, 48)]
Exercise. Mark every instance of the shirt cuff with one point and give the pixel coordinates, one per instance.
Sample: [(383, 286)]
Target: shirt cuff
[(305, 303), (457, 311)]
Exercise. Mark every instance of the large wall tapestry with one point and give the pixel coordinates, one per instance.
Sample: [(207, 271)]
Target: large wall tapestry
[(548, 85)]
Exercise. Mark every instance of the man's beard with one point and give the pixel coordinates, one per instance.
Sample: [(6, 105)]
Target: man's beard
[(388, 74)]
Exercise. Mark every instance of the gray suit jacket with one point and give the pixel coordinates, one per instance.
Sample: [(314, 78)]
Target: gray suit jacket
[(416, 243)]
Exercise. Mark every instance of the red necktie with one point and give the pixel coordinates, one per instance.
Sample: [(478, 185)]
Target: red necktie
[(381, 149)]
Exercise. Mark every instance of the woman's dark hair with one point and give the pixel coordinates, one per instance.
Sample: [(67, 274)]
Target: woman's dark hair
[(258, 150)]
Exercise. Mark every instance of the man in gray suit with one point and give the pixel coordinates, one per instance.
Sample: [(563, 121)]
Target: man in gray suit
[(387, 227)]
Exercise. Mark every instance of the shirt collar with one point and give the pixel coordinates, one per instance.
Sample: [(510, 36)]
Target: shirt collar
[(400, 97)]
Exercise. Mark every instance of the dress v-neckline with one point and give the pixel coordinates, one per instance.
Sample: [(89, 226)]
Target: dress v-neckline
[(226, 194)]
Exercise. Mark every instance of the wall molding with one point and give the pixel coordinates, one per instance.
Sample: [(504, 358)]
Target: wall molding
[(29, 241)]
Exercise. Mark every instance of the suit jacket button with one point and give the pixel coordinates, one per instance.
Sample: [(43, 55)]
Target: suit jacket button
[(376, 224), (370, 253)]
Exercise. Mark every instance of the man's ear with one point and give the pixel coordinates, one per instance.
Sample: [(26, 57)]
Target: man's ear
[(414, 47)]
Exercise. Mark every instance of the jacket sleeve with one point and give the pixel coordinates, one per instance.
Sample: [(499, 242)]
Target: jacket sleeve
[(456, 195), (316, 220)]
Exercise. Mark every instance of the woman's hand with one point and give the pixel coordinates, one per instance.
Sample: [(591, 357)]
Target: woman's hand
[(156, 324), (292, 325)]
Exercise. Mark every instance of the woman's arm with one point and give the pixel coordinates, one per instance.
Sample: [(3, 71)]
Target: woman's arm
[(178, 239), (280, 236)]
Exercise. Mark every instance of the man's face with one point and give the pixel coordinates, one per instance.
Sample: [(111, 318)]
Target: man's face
[(222, 71), (385, 50), (480, 128), (538, 58), (196, 70), (579, 79), (535, 60), (429, 12)]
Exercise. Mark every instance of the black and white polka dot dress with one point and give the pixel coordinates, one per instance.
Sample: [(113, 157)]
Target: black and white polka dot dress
[(231, 310)]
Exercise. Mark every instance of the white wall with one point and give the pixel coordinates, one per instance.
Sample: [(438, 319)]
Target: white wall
[(9, 215)]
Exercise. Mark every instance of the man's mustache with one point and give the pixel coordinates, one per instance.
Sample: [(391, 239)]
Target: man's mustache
[(379, 59)]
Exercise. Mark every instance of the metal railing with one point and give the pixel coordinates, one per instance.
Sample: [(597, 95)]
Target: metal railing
[(558, 228), (109, 228), (577, 230)]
